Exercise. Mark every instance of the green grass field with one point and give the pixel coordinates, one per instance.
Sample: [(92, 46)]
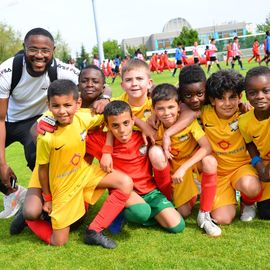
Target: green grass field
[(241, 246)]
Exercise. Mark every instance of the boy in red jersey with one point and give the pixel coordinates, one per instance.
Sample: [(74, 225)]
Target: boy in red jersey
[(130, 155), (229, 52), (254, 126), (255, 51)]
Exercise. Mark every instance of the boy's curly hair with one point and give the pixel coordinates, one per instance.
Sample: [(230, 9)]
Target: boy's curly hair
[(223, 81)]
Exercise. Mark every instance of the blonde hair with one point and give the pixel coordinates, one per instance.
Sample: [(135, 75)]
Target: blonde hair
[(135, 64)]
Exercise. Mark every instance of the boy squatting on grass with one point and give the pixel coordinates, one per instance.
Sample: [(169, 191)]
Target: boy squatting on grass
[(254, 126), (146, 205), (67, 179), (91, 87), (192, 92), (190, 152), (136, 82)]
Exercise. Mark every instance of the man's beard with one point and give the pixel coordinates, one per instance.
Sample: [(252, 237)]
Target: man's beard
[(36, 73)]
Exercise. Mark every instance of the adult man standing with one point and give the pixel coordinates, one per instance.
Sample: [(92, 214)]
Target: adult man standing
[(20, 109)]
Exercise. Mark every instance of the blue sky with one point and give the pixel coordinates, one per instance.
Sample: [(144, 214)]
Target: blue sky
[(119, 19)]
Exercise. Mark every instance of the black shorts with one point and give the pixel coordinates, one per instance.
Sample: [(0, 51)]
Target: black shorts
[(178, 62), (196, 60), (213, 58), (116, 69), (237, 57)]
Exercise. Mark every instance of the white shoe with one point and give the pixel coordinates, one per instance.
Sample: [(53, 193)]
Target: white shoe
[(248, 212), (13, 202), (205, 222)]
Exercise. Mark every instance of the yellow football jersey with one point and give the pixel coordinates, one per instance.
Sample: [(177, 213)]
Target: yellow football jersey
[(183, 143), (228, 144), (256, 131), (69, 174), (142, 112)]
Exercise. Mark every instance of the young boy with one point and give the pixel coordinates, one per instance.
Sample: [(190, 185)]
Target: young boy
[(192, 83), (190, 149), (130, 156), (67, 179), (136, 82), (213, 55), (91, 87), (236, 53), (254, 126), (220, 122)]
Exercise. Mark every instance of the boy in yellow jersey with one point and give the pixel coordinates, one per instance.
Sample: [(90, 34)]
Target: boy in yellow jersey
[(91, 87), (190, 149), (220, 122), (66, 178), (254, 126)]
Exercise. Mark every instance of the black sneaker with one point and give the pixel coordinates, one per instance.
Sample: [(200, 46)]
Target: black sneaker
[(94, 238), (18, 223)]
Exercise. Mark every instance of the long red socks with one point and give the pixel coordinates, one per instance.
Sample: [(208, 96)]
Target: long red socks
[(163, 181), (208, 186), (42, 229), (110, 209)]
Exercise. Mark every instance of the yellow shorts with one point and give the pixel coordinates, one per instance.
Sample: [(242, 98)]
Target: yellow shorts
[(69, 206), (225, 194), (34, 183), (185, 191)]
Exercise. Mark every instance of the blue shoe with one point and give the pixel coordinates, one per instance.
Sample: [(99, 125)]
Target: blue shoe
[(117, 224)]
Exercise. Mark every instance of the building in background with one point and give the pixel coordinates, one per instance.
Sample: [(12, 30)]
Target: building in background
[(173, 28)]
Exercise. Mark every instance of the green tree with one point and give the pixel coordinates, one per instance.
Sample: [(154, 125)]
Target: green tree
[(111, 49), (131, 50), (83, 56), (10, 42), (62, 50), (187, 37), (265, 26)]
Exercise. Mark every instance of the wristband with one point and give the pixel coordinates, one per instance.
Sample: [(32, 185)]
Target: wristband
[(255, 160), (46, 197), (107, 149)]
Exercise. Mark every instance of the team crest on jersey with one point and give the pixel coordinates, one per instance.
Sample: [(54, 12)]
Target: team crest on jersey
[(83, 135), (234, 125), (183, 138), (224, 144), (146, 113), (143, 150), (75, 159)]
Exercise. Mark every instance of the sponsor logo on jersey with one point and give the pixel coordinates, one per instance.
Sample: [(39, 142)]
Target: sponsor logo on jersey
[(146, 113), (234, 125), (143, 150)]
